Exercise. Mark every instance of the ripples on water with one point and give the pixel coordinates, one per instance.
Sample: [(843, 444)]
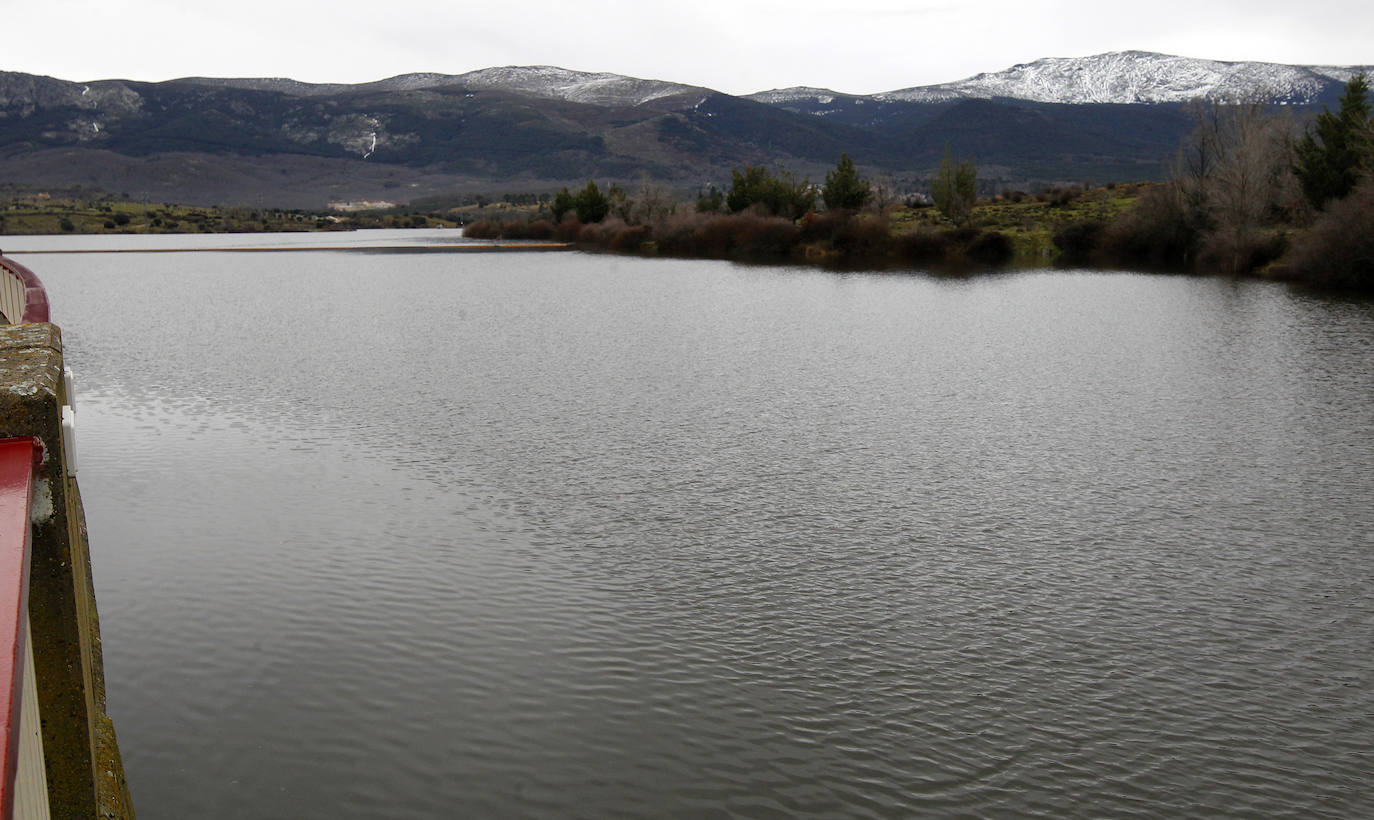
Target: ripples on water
[(567, 535)]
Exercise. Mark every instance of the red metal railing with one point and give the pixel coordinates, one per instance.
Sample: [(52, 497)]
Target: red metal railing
[(21, 293), (19, 783)]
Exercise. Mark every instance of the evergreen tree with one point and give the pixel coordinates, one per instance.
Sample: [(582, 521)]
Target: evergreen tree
[(709, 202), (844, 188), (780, 195), (591, 205), (747, 187), (562, 203), (955, 189), (1330, 161)]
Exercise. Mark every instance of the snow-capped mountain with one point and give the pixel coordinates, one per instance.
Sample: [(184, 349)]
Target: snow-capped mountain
[(574, 86), (1123, 77), (545, 126), (550, 82)]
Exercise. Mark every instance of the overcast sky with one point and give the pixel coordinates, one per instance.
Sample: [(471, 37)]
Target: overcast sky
[(736, 46)]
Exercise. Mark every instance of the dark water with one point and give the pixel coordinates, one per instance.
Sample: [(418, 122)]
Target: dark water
[(400, 535)]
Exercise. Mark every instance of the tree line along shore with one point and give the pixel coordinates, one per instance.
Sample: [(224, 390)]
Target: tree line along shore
[(1250, 193)]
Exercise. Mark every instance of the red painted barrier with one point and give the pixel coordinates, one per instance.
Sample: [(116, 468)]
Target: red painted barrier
[(18, 457), (35, 297)]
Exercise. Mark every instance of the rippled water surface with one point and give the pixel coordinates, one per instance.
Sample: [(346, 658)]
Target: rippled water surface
[(438, 535)]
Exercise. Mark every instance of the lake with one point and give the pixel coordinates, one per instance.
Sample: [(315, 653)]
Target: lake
[(379, 533)]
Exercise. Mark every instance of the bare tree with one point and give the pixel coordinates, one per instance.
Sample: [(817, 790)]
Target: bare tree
[(1233, 173), (651, 205), (955, 189)]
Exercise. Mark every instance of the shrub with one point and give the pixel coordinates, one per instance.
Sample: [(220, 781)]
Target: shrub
[(822, 227), (1161, 232), (1234, 252), (629, 237), (614, 234), (537, 229), (592, 234), (955, 247), (1063, 197), (678, 235), (483, 229), (992, 248), (923, 246), (1338, 251), (867, 236), (756, 237), (1078, 241), (747, 235), (568, 229)]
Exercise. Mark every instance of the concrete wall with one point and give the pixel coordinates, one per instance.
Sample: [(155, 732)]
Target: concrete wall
[(84, 771)]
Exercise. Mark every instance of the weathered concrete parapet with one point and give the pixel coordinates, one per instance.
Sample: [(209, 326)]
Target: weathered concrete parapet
[(85, 775)]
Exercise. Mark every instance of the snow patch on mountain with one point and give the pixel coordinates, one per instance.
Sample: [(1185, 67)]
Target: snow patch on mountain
[(575, 86), (795, 94)]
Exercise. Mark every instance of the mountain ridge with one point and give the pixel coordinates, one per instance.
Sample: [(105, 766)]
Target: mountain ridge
[(1121, 78), (1114, 117)]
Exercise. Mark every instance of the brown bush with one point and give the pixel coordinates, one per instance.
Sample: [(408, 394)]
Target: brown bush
[(1160, 232), (677, 235), (850, 234), (991, 248), (716, 236), (1234, 253), (1338, 251), (568, 229), (630, 238), (758, 237), (1063, 197), (614, 234), (509, 229), (957, 247), (822, 227), (532, 229), (1078, 242), (866, 236), (923, 246), (483, 229)]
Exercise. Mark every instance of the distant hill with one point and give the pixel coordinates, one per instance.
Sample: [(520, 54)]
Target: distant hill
[(285, 143)]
